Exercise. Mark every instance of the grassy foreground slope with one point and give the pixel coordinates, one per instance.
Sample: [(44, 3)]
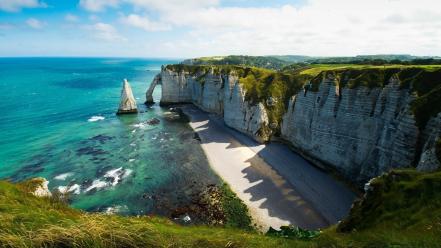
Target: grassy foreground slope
[(401, 209), (29, 221)]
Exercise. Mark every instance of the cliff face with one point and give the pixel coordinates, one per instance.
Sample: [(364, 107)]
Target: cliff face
[(359, 131), (429, 160), (215, 93)]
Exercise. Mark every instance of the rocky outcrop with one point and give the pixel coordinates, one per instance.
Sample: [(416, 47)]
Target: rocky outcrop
[(216, 93), (40, 187), (127, 103)]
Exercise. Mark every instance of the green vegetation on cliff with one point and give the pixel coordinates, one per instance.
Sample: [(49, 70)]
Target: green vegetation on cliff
[(423, 81), (272, 89), (282, 62), (267, 62), (403, 200), (402, 209)]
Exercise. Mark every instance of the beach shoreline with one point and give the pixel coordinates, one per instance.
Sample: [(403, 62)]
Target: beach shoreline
[(251, 171)]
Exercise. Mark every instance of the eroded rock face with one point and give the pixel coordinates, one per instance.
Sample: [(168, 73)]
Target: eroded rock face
[(127, 103), (429, 161), (243, 116), (175, 87), (360, 132), (214, 93)]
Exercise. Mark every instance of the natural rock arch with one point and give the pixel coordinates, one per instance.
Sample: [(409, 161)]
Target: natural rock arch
[(149, 93)]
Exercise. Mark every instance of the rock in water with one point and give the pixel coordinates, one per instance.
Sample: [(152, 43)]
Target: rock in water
[(128, 103), (40, 187)]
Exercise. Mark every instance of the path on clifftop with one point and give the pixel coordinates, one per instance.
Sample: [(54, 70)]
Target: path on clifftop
[(304, 196)]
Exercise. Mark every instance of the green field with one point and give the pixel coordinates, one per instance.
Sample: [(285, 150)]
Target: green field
[(315, 69)]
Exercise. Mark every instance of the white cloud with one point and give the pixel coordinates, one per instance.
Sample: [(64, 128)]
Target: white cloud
[(94, 18), (144, 23), (71, 18), (321, 27), (98, 5), (17, 5), (317, 27), (35, 23), (106, 32), (182, 5), (6, 26)]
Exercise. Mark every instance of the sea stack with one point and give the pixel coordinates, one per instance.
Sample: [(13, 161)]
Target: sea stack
[(127, 104)]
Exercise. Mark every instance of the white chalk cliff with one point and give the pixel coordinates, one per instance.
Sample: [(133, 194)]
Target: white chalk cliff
[(360, 132), (220, 94), (127, 103)]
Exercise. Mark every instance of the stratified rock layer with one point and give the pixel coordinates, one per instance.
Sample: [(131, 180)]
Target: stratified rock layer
[(361, 132), (127, 104)]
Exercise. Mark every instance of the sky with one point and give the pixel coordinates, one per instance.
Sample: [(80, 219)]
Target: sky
[(193, 28)]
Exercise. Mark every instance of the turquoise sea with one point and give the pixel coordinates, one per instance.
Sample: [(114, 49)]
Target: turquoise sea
[(58, 121)]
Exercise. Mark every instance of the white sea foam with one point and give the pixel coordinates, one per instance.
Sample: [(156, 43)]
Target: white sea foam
[(74, 189), (63, 176), (115, 174), (97, 184), (116, 209), (96, 118), (127, 173), (139, 125)]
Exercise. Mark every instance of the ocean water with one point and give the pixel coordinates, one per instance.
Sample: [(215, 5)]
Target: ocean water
[(58, 121)]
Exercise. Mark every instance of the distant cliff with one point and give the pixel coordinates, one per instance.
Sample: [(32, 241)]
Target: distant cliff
[(359, 122)]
